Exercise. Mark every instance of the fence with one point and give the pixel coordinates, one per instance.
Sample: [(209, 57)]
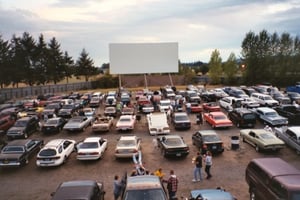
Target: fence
[(11, 93)]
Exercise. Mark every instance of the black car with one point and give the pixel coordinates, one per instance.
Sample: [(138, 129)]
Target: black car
[(79, 189), (181, 120), (173, 146), (23, 127), (53, 125), (294, 96), (51, 109), (242, 117), (208, 96), (18, 152), (208, 140), (67, 110)]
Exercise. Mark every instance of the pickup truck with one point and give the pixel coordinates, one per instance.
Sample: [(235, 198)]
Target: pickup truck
[(290, 135), (289, 111)]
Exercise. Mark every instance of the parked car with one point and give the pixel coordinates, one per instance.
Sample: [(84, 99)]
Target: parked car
[(18, 152), (90, 113), (125, 123), (270, 117), (23, 127), (229, 103), (173, 146), (219, 93), (77, 123), (217, 120), (67, 111), (102, 124), (242, 117), (144, 187), (238, 93), (272, 178), (196, 107), (281, 98), (127, 111), (261, 139), (208, 96), (158, 123), (290, 135), (211, 194), (92, 148), (55, 152), (211, 107), (264, 99), (250, 103), (181, 120), (148, 108), (294, 96), (291, 112), (208, 140), (53, 125), (6, 122), (127, 147), (51, 109), (95, 102), (110, 111), (79, 189)]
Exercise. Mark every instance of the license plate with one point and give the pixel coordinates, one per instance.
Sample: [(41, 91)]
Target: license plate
[(178, 154), (214, 147), (5, 161)]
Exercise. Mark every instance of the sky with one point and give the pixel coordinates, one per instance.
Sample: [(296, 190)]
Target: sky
[(199, 26)]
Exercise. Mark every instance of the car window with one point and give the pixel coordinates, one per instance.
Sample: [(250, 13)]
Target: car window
[(125, 143), (47, 152), (13, 149), (249, 116), (60, 149), (210, 138), (173, 141), (89, 145), (30, 144)]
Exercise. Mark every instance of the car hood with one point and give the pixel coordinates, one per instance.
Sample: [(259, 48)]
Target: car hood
[(212, 194), (16, 129), (73, 124), (278, 117), (65, 110)]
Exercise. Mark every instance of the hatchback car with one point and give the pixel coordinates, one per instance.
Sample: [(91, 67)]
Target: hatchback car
[(79, 189), (55, 152), (208, 140), (242, 117)]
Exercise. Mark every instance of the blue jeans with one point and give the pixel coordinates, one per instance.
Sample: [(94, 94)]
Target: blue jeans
[(172, 195), (197, 171)]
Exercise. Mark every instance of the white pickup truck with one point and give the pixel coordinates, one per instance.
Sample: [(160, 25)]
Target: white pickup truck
[(290, 135), (158, 123)]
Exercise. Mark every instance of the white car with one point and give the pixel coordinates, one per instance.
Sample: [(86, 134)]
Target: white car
[(127, 146), (228, 103), (92, 148), (126, 122), (55, 152)]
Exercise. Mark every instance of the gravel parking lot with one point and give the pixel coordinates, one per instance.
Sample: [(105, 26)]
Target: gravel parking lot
[(228, 170)]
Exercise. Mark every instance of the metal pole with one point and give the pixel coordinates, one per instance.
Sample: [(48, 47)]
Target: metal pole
[(171, 81), (146, 83)]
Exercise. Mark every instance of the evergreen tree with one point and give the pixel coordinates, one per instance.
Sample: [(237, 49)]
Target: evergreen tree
[(85, 66)]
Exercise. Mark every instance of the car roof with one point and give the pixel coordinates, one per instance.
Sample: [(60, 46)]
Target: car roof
[(259, 131), (54, 143), (128, 137), (217, 113), (92, 139), (170, 136), (75, 190), (207, 132), (143, 182), (212, 194), (266, 109)]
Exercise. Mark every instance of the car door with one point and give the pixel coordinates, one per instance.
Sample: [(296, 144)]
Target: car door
[(197, 139), (68, 147), (252, 138)]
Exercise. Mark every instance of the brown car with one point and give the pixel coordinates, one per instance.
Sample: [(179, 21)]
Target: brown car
[(6, 122), (272, 178)]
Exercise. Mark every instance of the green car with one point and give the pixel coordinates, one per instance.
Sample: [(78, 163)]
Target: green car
[(261, 139)]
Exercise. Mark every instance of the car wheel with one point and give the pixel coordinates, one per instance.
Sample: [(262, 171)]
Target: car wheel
[(257, 148), (252, 195), (65, 160)]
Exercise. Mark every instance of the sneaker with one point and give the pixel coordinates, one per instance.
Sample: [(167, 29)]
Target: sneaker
[(194, 180)]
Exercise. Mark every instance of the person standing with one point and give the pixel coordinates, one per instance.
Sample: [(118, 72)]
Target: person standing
[(117, 187), (159, 173), (208, 164), (172, 184), (198, 167)]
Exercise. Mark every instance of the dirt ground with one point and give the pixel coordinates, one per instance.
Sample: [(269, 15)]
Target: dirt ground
[(228, 170)]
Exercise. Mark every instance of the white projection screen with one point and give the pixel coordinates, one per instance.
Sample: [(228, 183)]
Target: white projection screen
[(143, 58)]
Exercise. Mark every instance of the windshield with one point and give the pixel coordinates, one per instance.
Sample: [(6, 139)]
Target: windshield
[(266, 136), (173, 141), (147, 194), (125, 120), (67, 106), (220, 117), (210, 138), (271, 114), (126, 143), (47, 152), (20, 124), (249, 116), (52, 122), (182, 118)]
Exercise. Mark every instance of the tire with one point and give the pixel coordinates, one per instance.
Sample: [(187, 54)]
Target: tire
[(65, 160)]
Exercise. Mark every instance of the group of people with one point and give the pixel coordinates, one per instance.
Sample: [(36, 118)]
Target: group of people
[(198, 161)]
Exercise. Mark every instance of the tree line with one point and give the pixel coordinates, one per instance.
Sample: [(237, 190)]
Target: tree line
[(37, 62)]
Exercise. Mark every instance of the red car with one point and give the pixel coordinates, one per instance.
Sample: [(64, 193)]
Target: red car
[(211, 107), (196, 107), (217, 120)]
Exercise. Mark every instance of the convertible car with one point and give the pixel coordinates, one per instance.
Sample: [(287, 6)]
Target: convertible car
[(102, 124), (217, 120), (261, 139), (18, 152), (77, 123)]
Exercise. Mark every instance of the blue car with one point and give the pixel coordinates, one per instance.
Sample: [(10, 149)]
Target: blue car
[(211, 194)]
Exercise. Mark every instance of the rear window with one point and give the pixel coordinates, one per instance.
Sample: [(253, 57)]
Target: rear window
[(249, 116), (156, 194), (47, 152)]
